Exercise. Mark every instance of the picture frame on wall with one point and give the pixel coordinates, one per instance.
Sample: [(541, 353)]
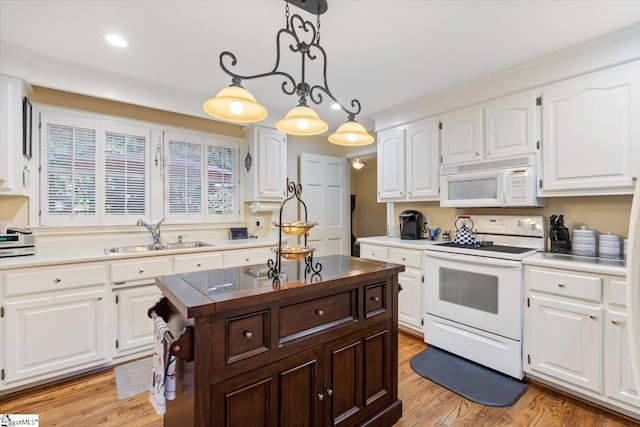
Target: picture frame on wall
[(27, 122)]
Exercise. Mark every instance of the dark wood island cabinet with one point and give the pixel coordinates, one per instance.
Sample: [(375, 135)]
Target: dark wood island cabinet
[(317, 350)]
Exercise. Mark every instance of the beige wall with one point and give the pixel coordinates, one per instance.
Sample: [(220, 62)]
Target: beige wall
[(102, 106), (369, 217), (600, 213)]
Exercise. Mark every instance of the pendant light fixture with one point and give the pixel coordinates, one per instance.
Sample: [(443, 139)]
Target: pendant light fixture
[(358, 164), (236, 104)]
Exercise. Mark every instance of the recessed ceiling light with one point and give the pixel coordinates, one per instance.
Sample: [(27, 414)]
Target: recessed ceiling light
[(116, 40)]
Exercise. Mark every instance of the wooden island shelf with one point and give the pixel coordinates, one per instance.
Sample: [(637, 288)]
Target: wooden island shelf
[(317, 350)]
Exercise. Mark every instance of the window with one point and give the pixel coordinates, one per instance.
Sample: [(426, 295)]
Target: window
[(201, 179), (99, 172), (69, 173), (126, 186)]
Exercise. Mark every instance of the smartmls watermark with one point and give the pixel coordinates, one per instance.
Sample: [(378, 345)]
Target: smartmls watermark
[(9, 420)]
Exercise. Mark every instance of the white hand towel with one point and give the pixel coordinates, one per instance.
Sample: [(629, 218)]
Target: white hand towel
[(157, 388)]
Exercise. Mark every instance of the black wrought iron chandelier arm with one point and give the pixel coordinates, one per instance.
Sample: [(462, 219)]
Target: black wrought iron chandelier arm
[(315, 94)]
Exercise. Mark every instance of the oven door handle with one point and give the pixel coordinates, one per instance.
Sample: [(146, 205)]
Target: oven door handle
[(494, 262)]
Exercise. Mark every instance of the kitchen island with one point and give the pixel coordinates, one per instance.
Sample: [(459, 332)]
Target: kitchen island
[(314, 350)]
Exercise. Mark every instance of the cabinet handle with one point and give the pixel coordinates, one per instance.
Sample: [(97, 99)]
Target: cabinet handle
[(99, 298), (199, 264), (320, 312), (399, 287), (476, 154), (247, 334), (404, 259), (375, 299), (320, 397), (329, 392), (57, 280), (561, 285), (246, 259), (141, 271), (614, 321), (488, 152), (634, 178), (593, 316)]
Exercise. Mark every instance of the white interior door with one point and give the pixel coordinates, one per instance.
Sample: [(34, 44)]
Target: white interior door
[(325, 191)]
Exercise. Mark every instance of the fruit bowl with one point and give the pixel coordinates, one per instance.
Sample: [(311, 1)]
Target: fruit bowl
[(294, 252), (296, 228)]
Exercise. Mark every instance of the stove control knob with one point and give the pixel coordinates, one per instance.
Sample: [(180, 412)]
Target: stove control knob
[(534, 227), (520, 223)]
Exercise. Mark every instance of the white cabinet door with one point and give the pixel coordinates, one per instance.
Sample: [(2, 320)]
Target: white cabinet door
[(391, 168), (512, 127), (591, 132), (462, 137), (265, 164), (423, 161), (565, 341), (410, 299), (620, 385), (53, 334), (242, 257), (12, 163), (134, 326)]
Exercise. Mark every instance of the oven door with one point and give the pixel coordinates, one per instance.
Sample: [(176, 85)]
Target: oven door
[(483, 293)]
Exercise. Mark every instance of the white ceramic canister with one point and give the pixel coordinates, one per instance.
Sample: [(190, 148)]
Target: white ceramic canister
[(584, 242), (609, 245)]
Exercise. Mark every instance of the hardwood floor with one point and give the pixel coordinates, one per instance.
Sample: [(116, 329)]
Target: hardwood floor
[(92, 401)]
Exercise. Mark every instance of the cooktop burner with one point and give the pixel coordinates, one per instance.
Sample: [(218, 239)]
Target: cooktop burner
[(490, 248)]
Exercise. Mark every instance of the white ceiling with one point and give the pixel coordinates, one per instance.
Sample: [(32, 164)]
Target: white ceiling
[(383, 53)]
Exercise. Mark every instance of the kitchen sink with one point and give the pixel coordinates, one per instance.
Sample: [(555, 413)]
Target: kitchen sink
[(152, 248)]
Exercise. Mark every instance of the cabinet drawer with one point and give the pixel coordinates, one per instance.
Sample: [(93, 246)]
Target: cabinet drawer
[(406, 257), (140, 269), (566, 284), (53, 280), (618, 293), (374, 252), (317, 315), (247, 335), (246, 257), (187, 264), (375, 301)]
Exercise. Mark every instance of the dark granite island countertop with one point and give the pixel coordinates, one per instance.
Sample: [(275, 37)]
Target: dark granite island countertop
[(312, 350)]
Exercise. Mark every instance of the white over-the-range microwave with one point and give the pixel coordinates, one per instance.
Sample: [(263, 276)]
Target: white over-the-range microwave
[(495, 183)]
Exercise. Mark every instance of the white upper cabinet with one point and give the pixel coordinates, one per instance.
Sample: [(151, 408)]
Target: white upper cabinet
[(265, 164), (423, 160), (391, 167), (14, 167), (506, 127), (512, 126), (591, 133), (462, 136), (408, 162)]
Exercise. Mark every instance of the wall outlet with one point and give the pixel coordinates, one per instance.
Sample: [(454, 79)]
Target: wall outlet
[(254, 220)]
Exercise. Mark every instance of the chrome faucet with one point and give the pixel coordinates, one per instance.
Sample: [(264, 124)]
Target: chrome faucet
[(154, 230)]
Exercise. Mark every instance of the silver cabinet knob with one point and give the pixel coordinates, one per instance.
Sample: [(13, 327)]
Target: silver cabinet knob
[(247, 334), (329, 392), (593, 316), (57, 280), (561, 285), (375, 299), (320, 397), (320, 312), (141, 271), (199, 264), (614, 321)]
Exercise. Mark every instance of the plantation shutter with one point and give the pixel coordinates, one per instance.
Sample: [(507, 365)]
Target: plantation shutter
[(185, 179), (69, 193), (126, 174), (221, 180)]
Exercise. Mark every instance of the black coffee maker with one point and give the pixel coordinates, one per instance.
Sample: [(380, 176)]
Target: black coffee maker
[(411, 226)]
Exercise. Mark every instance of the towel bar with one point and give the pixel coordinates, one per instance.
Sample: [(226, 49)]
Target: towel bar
[(182, 346)]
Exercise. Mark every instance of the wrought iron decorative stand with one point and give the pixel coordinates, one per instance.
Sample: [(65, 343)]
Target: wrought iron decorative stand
[(294, 253)]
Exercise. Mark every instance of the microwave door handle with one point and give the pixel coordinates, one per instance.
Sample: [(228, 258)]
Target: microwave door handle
[(470, 259), (503, 184)]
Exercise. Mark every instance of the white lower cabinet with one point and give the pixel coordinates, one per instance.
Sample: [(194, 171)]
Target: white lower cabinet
[(575, 335), (412, 280), (53, 334), (134, 327), (242, 257)]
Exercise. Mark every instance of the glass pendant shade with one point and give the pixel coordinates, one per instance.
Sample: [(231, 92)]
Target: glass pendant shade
[(351, 133), (358, 164), (235, 104), (302, 120)]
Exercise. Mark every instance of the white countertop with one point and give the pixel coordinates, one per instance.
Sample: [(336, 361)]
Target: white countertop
[(578, 263), (397, 242), (69, 256)]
